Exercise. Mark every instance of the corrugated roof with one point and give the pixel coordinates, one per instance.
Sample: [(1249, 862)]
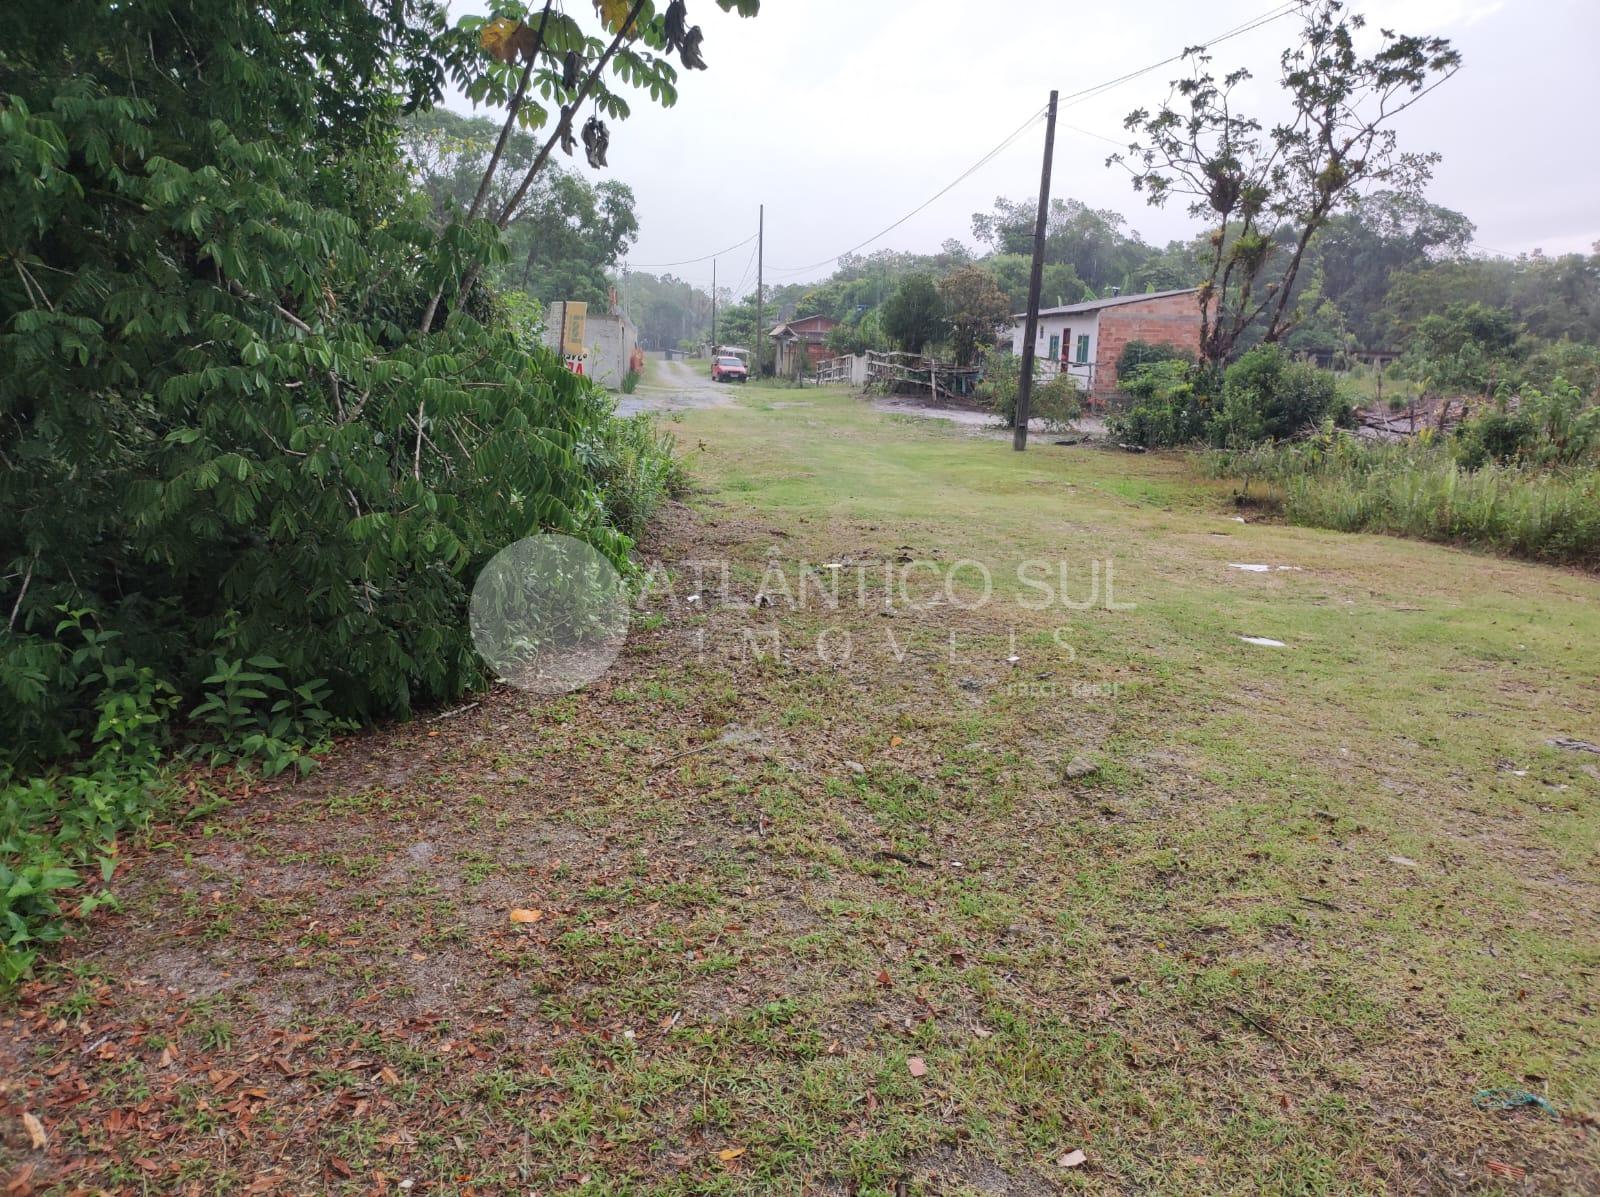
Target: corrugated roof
[(1094, 305)]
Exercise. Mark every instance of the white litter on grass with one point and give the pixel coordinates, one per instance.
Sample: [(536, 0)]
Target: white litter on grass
[(1238, 519), (1404, 862), (1254, 569), (1264, 641)]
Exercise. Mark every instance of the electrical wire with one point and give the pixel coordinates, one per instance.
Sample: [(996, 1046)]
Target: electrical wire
[(1256, 22), (690, 261), (1032, 120), (1273, 14)]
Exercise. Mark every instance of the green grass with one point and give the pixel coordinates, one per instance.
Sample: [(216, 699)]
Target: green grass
[(1205, 964), (1535, 513)]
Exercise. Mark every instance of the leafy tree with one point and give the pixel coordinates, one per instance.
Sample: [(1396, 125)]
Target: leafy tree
[(1060, 283), (569, 232), (1359, 251), (1466, 349), (1255, 185), (914, 316), (1092, 242), (976, 309), (219, 440), (526, 48)]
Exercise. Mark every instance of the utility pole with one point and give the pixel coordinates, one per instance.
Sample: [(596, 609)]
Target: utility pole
[(713, 307), (1030, 326), (761, 251)]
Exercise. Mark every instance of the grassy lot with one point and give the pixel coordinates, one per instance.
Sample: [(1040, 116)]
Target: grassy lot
[(850, 920)]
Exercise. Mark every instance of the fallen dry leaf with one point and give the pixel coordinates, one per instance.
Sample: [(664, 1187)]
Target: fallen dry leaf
[(1511, 1170), (916, 1066), (895, 741), (526, 915), (35, 1131), (1072, 1159), (730, 1153), (884, 978)]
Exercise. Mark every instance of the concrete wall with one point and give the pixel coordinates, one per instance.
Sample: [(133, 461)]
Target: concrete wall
[(610, 340)]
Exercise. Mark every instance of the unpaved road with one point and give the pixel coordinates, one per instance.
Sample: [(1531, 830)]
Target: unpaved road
[(674, 386)]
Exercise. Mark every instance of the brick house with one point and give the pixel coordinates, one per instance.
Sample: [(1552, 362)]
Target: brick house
[(801, 344), (1085, 339)]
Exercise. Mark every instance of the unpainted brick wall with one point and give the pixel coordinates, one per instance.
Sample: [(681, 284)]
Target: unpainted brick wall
[(1172, 320)]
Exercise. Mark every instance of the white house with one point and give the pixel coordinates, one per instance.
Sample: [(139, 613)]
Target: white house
[(1084, 340)]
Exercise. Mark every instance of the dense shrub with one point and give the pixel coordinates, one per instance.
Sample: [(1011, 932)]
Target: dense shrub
[(1136, 354), (1556, 427), (1169, 403), (1265, 395), (216, 418), (1268, 396), (244, 499)]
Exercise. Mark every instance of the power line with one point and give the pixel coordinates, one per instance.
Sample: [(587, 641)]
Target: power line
[(1275, 13), (690, 261), (1256, 22), (749, 268), (1033, 118)]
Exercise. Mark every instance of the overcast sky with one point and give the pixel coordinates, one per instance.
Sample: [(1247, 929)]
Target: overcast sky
[(842, 116)]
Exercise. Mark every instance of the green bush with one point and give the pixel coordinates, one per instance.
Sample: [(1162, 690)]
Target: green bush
[(1056, 403), (259, 495), (637, 469), (1267, 396), (215, 411), (1144, 353), (630, 382), (1169, 403)]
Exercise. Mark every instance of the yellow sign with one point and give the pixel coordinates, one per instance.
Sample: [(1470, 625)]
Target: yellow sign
[(575, 325)]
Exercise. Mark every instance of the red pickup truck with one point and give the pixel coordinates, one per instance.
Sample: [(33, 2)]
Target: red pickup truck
[(728, 369)]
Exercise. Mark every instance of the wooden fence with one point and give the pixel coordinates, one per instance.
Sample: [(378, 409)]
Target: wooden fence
[(916, 372)]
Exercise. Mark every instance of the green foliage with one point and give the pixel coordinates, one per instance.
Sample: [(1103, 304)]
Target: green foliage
[(636, 468), (258, 496), (975, 309), (914, 316), (1558, 427), (1466, 349), (54, 825), (1056, 403), (255, 715), (1171, 403), (1143, 353), (1267, 396), (630, 382), (859, 334), (1422, 490)]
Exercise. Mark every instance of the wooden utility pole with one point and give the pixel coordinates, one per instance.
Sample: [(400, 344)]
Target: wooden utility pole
[(713, 307), (1030, 326), (761, 251)]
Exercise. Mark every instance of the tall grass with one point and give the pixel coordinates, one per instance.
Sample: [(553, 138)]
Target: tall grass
[(1421, 491)]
